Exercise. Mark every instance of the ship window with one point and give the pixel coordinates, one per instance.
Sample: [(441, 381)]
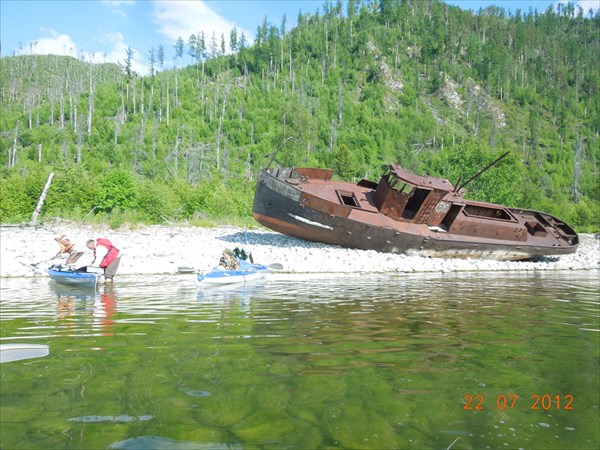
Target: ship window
[(415, 202), (348, 198), (451, 216), (401, 187), (483, 211)]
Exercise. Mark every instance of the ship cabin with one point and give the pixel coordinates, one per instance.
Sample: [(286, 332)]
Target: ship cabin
[(405, 197)]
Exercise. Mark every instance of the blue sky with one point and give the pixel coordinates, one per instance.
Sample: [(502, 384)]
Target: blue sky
[(100, 31)]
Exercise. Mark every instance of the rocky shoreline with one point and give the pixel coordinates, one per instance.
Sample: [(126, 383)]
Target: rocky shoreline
[(28, 251)]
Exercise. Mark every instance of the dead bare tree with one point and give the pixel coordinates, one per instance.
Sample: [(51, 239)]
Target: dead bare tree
[(12, 151), (168, 106), (79, 146), (576, 173), (173, 155), (40, 203), (90, 101), (61, 108), (134, 95), (219, 137)]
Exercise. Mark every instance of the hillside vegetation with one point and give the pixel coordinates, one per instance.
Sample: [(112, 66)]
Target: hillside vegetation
[(436, 89)]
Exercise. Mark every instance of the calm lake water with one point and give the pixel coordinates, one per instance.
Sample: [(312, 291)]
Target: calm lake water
[(435, 361)]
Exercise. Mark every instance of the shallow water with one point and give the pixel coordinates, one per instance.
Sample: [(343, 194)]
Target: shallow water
[(471, 360)]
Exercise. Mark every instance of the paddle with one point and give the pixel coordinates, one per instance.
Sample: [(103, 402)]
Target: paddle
[(185, 269), (17, 352)]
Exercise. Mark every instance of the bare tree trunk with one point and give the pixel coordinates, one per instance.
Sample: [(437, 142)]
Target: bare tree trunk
[(29, 103), (351, 36), (73, 109), (325, 24), (117, 126), (134, 96), (154, 133), (225, 93), (177, 154), (61, 118), (39, 152), (124, 99), (65, 149), (292, 79), (90, 103), (176, 100), (79, 139), (12, 152), (202, 147), (168, 105), (151, 99), (331, 136), (160, 103), (576, 174), (335, 49), (40, 203), (51, 108), (137, 149), (142, 109), (340, 103), (248, 166)]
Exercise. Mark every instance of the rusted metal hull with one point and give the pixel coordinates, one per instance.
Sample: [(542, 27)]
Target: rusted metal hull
[(306, 209)]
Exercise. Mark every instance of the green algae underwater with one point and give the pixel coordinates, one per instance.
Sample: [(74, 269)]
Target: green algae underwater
[(305, 361)]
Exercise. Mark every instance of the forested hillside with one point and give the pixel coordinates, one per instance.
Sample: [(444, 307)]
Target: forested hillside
[(436, 89)]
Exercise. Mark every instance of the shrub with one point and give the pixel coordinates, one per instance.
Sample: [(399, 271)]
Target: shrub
[(117, 190), (156, 202)]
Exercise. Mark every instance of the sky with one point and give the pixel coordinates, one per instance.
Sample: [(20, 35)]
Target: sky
[(102, 30)]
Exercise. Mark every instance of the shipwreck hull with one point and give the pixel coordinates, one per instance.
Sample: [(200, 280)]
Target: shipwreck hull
[(282, 205)]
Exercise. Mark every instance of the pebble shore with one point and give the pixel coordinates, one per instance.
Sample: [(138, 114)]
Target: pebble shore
[(27, 251)]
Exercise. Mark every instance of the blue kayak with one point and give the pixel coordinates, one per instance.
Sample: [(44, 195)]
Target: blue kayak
[(246, 272), (64, 275)]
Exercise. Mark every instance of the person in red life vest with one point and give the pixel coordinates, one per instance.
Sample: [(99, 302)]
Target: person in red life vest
[(107, 254)]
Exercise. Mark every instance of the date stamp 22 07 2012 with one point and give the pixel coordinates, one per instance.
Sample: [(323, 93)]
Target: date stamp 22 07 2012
[(545, 402)]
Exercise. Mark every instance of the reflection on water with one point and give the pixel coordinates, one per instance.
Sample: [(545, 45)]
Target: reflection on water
[(306, 361)]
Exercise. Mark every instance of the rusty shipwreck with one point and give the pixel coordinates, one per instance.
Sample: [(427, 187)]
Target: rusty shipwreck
[(403, 213)]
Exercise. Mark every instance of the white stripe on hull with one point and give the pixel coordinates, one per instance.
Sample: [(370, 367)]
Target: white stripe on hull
[(310, 222)]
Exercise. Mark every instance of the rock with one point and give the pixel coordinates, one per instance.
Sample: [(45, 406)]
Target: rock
[(162, 249)]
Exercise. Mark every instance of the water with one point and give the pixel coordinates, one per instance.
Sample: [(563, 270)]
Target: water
[(437, 361)]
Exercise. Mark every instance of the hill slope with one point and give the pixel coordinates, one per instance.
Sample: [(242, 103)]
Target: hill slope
[(433, 88)]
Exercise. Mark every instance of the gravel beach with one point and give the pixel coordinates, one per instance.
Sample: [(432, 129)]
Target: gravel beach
[(27, 251)]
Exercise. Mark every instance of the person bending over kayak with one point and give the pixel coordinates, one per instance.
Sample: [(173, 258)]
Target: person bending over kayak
[(228, 261), (65, 245), (107, 254)]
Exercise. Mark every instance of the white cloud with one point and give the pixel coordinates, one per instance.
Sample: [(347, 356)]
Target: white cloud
[(115, 7), (586, 5), (184, 18), (54, 43), (115, 41), (51, 43)]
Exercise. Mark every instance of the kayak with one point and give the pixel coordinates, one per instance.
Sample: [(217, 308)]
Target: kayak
[(85, 277), (247, 272)]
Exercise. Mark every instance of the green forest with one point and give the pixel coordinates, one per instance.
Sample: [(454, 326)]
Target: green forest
[(352, 87)]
